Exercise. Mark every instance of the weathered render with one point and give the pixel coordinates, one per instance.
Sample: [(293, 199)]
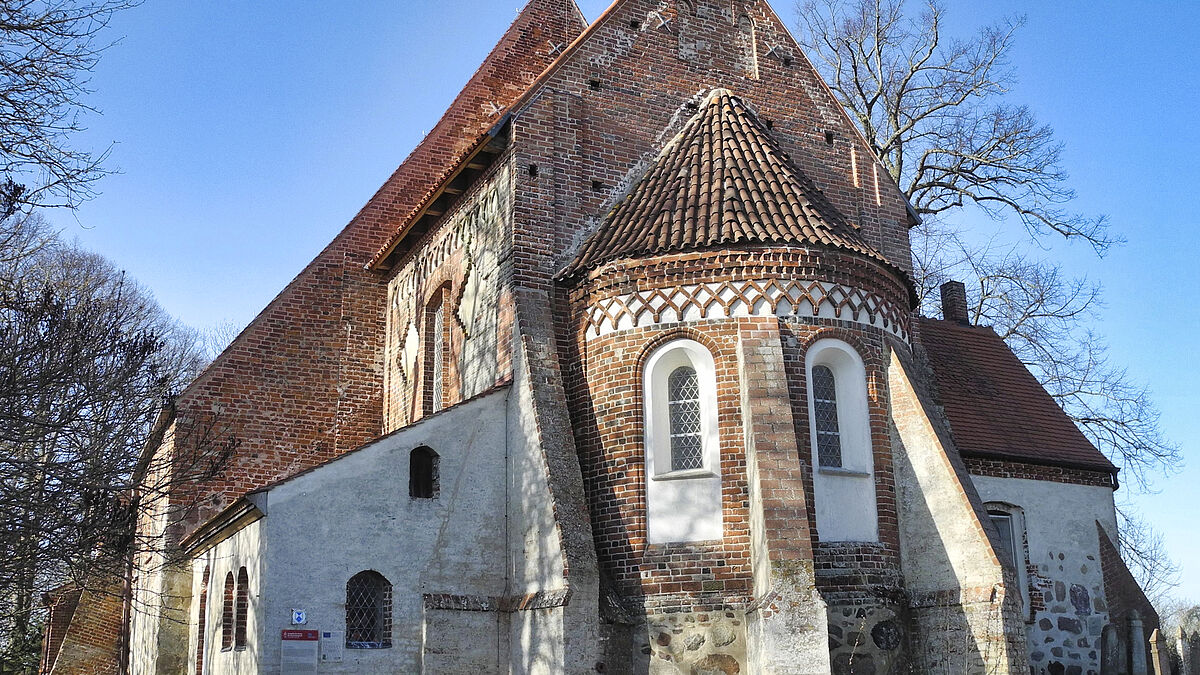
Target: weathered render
[(621, 372)]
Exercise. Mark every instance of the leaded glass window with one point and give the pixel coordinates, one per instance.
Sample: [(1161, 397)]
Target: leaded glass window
[(683, 402), (829, 438), (438, 355), (368, 611)]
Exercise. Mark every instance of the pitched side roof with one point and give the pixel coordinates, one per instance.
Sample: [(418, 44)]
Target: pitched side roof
[(723, 180), (996, 407)]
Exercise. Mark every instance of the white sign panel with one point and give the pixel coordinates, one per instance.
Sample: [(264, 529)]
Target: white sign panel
[(298, 653), (333, 646)]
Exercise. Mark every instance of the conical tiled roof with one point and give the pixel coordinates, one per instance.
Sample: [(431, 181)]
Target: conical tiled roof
[(723, 181)]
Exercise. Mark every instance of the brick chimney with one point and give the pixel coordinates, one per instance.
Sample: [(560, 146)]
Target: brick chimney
[(954, 302)]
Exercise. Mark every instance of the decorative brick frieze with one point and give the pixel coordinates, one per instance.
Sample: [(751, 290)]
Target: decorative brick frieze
[(1003, 468), (761, 298), (497, 603)]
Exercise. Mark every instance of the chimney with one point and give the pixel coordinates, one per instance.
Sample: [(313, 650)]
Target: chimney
[(954, 302)]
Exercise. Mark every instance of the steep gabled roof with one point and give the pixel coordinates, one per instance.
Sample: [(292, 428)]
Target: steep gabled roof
[(724, 180), (997, 409)]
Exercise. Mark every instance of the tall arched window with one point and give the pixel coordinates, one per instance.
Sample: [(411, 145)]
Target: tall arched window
[(1009, 523), (368, 611), (683, 406), (423, 473), (227, 613), (435, 353), (825, 417), (242, 609), (840, 437), (683, 454), (201, 621)]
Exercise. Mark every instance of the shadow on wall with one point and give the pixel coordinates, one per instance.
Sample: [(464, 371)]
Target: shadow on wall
[(956, 626)]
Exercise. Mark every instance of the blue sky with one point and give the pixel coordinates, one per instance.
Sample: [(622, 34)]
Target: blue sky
[(248, 134)]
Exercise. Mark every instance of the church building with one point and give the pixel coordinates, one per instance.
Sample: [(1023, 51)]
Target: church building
[(621, 371)]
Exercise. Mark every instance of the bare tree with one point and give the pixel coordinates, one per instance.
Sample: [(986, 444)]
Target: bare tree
[(933, 110), (87, 362), (50, 47)]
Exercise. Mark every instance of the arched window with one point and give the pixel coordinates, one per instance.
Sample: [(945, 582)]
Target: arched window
[(423, 473), (683, 454), (243, 609), (435, 353), (840, 438), (227, 614), (201, 621), (368, 611), (683, 406), (1009, 523), (825, 417)]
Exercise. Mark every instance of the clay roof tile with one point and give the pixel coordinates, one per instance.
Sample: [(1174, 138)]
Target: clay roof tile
[(723, 180), (996, 408)]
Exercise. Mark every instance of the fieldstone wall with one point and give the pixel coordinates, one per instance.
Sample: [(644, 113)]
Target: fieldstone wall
[(868, 640)]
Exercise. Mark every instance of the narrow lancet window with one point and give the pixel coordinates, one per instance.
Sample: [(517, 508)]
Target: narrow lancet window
[(438, 356), (687, 448), (829, 438)]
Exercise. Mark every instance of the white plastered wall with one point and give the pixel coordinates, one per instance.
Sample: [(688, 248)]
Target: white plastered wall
[(1063, 545), (482, 536), (243, 549), (844, 497), (681, 506)]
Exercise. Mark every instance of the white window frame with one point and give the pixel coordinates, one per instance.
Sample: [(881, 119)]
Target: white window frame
[(1016, 518), (664, 361), (846, 504), (681, 505)]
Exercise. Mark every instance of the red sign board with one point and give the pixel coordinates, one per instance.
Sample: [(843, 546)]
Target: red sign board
[(305, 635)]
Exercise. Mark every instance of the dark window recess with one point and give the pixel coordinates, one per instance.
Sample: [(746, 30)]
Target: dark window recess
[(594, 84), (368, 611), (533, 170), (692, 105), (787, 61), (202, 621), (597, 186), (770, 123), (829, 137), (635, 24), (243, 609), (423, 473), (227, 614)]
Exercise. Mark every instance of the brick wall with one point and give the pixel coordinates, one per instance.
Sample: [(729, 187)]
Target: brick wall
[(303, 383), (91, 643), (60, 607), (1001, 468)]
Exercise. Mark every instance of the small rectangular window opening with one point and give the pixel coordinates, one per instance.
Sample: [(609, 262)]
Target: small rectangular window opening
[(828, 137), (533, 170), (635, 24), (594, 84), (597, 186)]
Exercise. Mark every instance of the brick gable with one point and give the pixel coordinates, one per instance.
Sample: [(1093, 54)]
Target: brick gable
[(303, 382)]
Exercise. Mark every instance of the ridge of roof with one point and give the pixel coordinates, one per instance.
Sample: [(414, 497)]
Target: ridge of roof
[(500, 114), (996, 407), (433, 145), (722, 180)]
